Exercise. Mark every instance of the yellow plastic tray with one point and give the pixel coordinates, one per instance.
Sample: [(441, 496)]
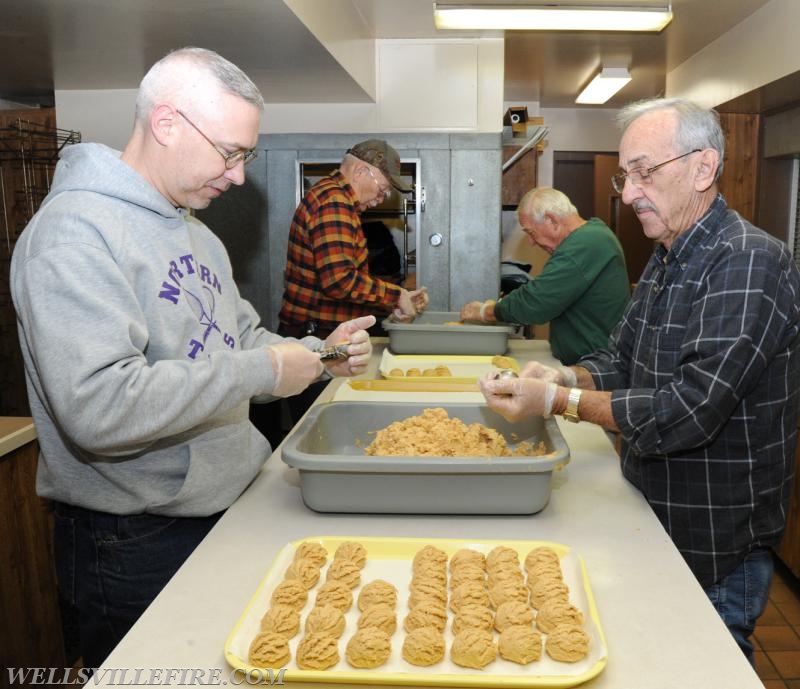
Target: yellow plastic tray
[(389, 559), (465, 368)]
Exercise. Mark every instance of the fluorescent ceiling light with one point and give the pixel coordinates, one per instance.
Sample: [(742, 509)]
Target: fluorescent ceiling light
[(551, 17), (604, 85)]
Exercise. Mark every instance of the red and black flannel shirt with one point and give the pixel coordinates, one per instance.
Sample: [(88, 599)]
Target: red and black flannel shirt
[(327, 276)]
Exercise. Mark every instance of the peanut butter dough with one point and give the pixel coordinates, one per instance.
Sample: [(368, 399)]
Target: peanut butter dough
[(281, 619), (424, 646), (381, 616), (473, 648), (325, 619), (520, 644), (269, 649), (335, 593), (369, 647), (377, 591), (290, 592), (317, 651), (567, 643)]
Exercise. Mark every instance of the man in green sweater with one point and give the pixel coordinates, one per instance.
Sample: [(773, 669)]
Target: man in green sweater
[(582, 289)]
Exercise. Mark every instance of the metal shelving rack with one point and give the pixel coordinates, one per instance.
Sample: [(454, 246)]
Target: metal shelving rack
[(29, 149), (29, 152)]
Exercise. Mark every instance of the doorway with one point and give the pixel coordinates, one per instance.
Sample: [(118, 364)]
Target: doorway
[(585, 176)]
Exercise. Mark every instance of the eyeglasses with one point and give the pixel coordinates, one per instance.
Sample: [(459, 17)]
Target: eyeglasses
[(231, 159), (385, 191), (643, 175)]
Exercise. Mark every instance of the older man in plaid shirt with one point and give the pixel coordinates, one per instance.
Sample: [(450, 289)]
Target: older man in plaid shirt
[(701, 375), (327, 274)]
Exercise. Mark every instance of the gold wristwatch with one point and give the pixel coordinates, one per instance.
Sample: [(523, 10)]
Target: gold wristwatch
[(571, 412)]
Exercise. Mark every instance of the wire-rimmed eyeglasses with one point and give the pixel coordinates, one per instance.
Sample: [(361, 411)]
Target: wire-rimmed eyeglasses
[(383, 191), (643, 175), (231, 159)]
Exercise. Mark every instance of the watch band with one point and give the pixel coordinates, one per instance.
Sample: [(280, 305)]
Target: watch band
[(571, 412)]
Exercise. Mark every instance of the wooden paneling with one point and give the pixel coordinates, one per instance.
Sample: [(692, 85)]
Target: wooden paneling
[(520, 177), (30, 623), (789, 549), (620, 217), (739, 182)]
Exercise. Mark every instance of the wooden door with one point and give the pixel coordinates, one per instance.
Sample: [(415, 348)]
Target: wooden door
[(619, 217)]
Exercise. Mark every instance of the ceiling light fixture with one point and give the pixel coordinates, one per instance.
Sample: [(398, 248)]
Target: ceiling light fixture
[(551, 17), (604, 85)]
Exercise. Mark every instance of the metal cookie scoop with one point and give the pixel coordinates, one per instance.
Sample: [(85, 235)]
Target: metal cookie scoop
[(505, 373), (334, 352)]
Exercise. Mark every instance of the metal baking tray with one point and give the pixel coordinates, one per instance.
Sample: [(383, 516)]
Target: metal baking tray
[(390, 559), (440, 332), (327, 448)]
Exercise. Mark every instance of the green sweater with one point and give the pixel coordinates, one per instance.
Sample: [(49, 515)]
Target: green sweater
[(582, 291)]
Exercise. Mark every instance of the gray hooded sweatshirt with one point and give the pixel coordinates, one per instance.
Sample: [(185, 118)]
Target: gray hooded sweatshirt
[(140, 354)]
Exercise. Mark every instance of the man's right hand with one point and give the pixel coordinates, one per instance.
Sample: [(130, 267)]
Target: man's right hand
[(295, 367)]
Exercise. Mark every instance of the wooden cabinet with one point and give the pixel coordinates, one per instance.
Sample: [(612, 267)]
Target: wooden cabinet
[(520, 177), (739, 182), (30, 621), (789, 549)]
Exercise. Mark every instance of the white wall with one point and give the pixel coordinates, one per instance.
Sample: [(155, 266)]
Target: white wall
[(343, 32), (571, 129), (576, 129), (759, 50), (106, 116), (408, 70)]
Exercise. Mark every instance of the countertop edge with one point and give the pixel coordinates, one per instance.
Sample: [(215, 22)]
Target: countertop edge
[(15, 431)]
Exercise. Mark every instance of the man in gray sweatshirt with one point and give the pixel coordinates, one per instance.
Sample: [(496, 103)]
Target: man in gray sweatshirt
[(141, 357)]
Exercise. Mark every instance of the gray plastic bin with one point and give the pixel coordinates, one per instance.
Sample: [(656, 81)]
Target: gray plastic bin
[(428, 334), (336, 475)]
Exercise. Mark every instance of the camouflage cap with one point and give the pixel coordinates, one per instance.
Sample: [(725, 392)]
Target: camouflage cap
[(380, 154)]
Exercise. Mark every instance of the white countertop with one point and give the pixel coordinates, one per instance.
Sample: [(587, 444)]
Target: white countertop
[(660, 629)]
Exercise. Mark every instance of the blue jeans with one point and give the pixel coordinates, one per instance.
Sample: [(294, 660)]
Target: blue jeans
[(741, 597), (111, 567)]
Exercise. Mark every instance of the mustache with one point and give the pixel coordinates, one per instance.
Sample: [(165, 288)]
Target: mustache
[(639, 206)]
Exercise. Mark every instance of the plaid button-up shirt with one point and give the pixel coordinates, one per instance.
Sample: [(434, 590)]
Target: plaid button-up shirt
[(705, 371), (327, 277)]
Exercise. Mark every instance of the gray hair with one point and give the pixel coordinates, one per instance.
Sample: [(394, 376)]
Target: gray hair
[(698, 127), (542, 200), (167, 78)]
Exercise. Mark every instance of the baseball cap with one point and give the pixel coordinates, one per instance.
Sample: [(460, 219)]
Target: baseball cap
[(380, 154)]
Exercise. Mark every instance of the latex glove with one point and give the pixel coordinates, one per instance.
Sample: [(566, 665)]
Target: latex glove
[(295, 368), (359, 348), (419, 298), (518, 398), (561, 375), (406, 309), (471, 311)]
